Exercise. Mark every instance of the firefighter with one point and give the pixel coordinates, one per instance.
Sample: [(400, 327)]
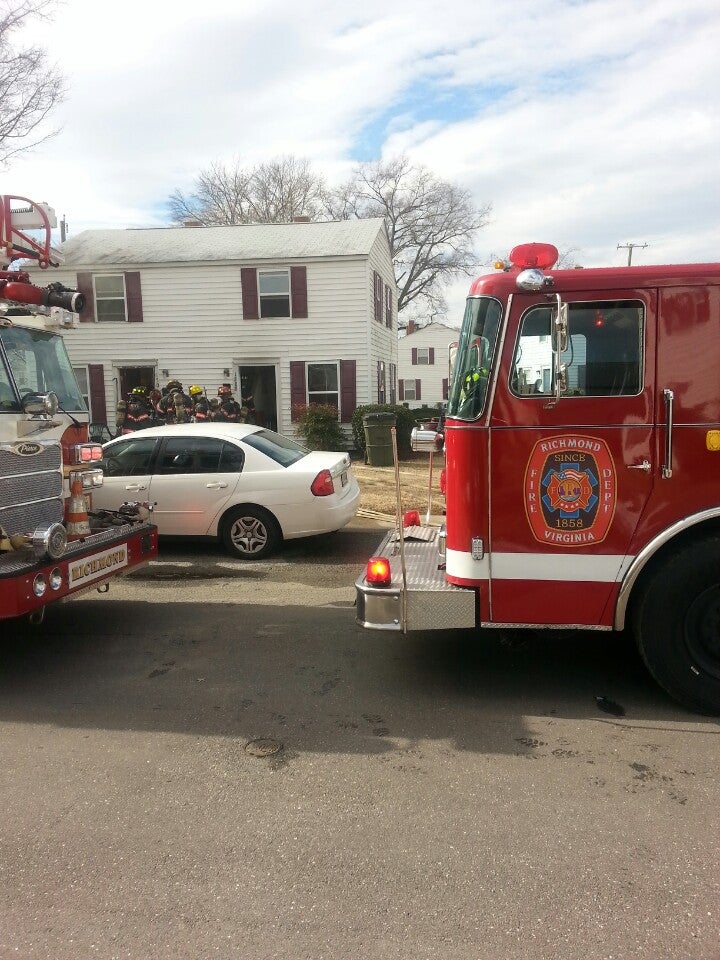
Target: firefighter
[(175, 406), (201, 404), (229, 410), (138, 411)]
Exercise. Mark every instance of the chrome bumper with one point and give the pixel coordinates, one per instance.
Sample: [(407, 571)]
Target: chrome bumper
[(428, 602)]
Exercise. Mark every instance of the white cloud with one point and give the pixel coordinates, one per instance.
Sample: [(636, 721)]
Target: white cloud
[(586, 124)]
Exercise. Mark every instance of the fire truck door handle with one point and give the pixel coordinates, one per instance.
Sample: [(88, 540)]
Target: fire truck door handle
[(645, 465), (135, 487), (667, 469)]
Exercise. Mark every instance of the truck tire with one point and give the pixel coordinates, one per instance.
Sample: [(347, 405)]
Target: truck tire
[(676, 621)]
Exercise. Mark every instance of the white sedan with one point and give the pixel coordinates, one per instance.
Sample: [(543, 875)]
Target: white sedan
[(249, 486)]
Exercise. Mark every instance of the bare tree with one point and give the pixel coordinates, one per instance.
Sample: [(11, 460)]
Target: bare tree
[(272, 192), (29, 87), (431, 225)]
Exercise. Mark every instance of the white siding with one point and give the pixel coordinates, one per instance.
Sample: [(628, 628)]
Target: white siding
[(193, 324), (439, 337)]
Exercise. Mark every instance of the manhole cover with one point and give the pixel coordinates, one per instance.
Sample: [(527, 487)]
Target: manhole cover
[(264, 747)]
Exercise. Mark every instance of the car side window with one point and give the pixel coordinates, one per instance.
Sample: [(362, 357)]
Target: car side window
[(232, 459), (129, 458), (189, 455)]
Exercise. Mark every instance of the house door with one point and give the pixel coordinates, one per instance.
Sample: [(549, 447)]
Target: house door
[(131, 377), (258, 387), (570, 479)]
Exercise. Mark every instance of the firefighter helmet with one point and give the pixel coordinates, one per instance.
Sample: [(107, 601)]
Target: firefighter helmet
[(224, 390), (174, 385), (139, 392), (195, 390)]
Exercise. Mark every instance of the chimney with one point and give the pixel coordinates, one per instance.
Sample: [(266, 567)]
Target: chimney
[(410, 327), (192, 223), (302, 219)]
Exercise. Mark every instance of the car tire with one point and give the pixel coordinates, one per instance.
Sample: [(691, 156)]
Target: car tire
[(676, 621), (250, 533)]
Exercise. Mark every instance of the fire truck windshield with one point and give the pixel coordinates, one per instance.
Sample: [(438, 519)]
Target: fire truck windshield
[(468, 391), (38, 362)]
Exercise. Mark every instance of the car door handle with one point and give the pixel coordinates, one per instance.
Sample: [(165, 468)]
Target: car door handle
[(216, 486), (645, 465), (135, 487)]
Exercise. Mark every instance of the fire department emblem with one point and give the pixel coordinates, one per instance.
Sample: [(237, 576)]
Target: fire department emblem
[(570, 490)]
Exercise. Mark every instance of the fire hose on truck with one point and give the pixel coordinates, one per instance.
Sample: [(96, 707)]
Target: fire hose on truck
[(582, 469), (52, 545)]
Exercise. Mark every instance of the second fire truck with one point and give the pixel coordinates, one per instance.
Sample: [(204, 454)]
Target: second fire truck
[(50, 549), (582, 476)]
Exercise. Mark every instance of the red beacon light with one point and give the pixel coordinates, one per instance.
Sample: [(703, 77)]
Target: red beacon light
[(377, 572), (540, 256)]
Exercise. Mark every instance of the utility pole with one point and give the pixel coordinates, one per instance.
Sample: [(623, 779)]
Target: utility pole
[(630, 247)]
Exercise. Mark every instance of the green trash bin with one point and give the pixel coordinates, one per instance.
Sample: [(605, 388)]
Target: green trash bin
[(378, 438)]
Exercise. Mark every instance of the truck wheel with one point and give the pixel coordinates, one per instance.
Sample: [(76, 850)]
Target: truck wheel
[(250, 533), (676, 621)]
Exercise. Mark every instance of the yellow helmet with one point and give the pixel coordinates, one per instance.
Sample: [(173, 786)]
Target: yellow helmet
[(195, 390)]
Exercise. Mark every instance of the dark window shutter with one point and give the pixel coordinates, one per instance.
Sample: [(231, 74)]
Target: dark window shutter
[(388, 307), (133, 296), (445, 388), (431, 357), (401, 389), (248, 280), (297, 387), (393, 382), (96, 386), (348, 394), (377, 285), (414, 356), (298, 291), (417, 390), (85, 286)]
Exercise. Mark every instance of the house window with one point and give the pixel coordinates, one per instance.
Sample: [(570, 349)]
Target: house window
[(323, 384), (274, 292), (110, 297), (409, 392), (81, 375), (423, 355)]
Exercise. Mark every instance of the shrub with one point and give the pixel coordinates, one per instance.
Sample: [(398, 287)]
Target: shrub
[(405, 423), (317, 425)]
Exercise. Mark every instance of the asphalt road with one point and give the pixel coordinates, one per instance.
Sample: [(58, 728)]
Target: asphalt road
[(434, 797)]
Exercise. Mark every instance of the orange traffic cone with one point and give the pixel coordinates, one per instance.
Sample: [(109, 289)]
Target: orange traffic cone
[(77, 523)]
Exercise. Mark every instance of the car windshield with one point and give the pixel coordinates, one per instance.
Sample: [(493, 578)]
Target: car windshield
[(39, 362), (476, 350), (281, 449)]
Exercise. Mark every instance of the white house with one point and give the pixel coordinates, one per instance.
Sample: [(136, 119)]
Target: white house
[(423, 363), (290, 313)]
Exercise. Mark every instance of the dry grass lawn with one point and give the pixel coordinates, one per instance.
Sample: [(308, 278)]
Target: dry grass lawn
[(377, 485)]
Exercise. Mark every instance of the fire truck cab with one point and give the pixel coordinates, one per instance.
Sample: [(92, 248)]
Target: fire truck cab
[(582, 475)]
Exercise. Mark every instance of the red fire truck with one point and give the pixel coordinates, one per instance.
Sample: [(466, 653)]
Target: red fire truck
[(582, 473), (49, 548)]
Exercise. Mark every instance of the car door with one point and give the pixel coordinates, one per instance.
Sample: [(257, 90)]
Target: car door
[(571, 477), (194, 477), (127, 466)]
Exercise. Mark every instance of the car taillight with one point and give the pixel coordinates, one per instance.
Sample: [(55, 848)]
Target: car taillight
[(322, 485), (377, 572)]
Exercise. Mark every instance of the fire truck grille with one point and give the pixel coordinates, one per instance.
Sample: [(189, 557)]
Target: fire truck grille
[(31, 490)]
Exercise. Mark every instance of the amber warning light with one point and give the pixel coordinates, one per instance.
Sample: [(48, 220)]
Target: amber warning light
[(377, 572)]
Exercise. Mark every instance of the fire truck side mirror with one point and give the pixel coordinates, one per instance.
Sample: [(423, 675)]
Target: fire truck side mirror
[(40, 404)]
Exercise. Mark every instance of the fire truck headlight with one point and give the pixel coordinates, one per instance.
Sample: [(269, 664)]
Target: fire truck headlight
[(50, 539), (39, 585), (56, 578)]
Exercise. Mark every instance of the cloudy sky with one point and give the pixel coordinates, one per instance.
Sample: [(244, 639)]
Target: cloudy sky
[(585, 123)]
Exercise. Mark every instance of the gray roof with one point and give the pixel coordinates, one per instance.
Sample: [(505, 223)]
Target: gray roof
[(247, 242)]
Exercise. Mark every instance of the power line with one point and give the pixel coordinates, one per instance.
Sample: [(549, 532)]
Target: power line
[(630, 247)]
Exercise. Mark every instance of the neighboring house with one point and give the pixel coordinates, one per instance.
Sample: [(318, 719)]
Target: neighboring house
[(290, 313), (423, 363)]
